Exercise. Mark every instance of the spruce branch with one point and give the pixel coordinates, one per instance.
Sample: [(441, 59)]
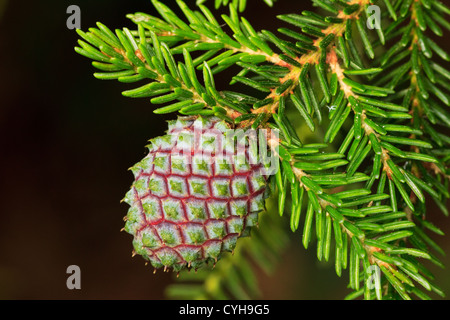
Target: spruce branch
[(361, 185), (203, 34), (411, 64), (238, 4), (314, 53), (395, 174), (417, 88)]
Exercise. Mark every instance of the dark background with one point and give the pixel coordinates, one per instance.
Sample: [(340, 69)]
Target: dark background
[(66, 142)]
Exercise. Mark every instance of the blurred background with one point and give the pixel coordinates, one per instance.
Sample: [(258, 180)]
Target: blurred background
[(66, 142)]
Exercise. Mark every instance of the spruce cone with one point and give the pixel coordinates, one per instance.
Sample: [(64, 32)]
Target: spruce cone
[(194, 194)]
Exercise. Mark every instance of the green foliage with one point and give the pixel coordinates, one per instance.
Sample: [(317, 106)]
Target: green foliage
[(238, 4), (362, 116)]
